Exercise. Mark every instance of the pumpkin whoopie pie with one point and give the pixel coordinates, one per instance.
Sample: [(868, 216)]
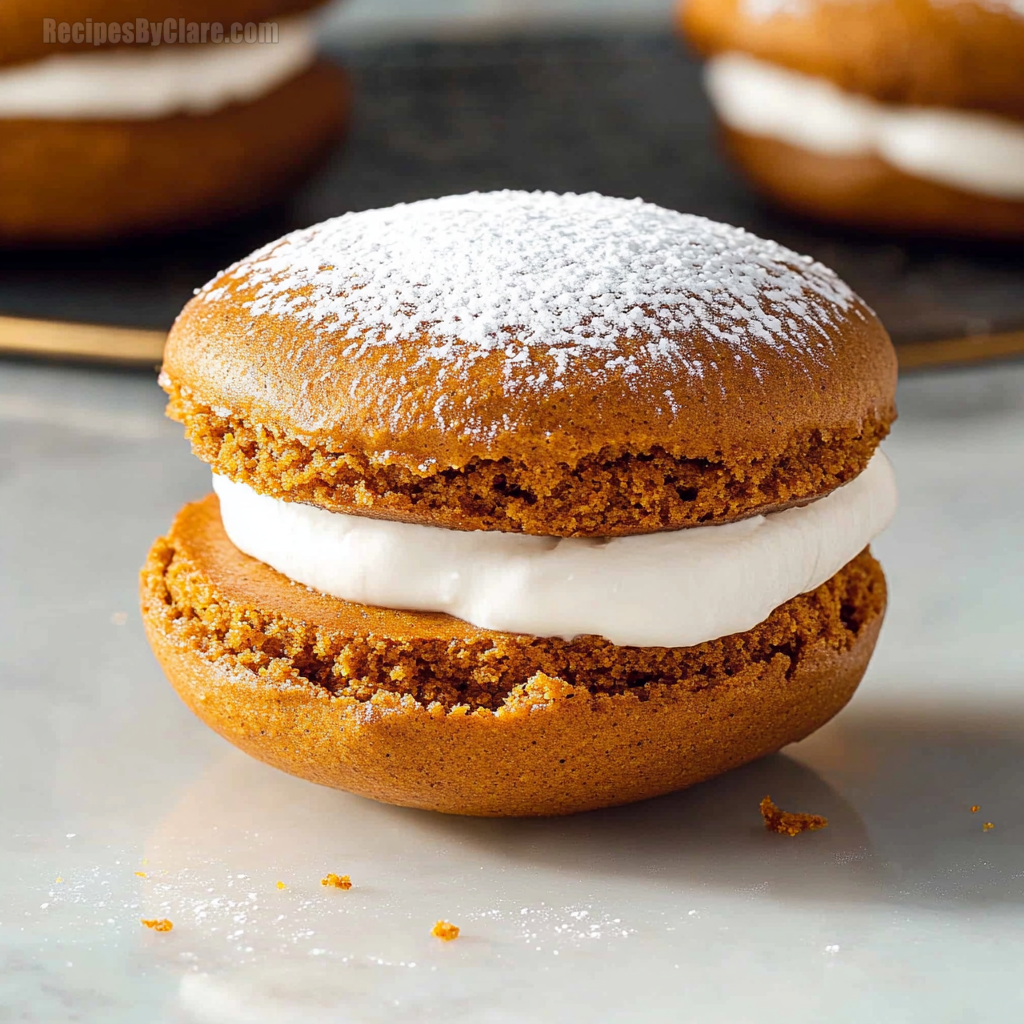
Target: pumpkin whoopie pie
[(151, 118), (525, 503), (904, 115)]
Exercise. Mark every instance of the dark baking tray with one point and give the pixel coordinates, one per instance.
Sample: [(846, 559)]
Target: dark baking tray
[(623, 115)]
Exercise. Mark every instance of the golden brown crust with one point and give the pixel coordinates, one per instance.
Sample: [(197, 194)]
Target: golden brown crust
[(866, 192), (898, 51), (79, 181), (428, 711), (609, 493), (21, 21)]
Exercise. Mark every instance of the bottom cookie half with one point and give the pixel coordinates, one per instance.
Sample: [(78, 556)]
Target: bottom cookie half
[(866, 192), (425, 710), (83, 181)]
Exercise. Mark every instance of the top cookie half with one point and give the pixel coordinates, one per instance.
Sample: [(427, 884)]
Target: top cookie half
[(564, 365), (965, 54)]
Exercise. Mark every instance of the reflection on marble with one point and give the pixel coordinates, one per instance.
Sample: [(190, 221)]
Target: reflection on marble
[(681, 908)]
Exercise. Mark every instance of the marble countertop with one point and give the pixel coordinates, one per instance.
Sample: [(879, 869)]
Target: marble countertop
[(116, 804)]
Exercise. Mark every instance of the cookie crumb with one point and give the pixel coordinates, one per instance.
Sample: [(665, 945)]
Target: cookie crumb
[(975, 808), (336, 881), (141, 874), (789, 824), (445, 930), (987, 827), (158, 924), (281, 885)]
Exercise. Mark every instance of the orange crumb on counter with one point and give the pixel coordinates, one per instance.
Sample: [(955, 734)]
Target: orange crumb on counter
[(58, 880), (975, 808), (160, 924), (336, 881), (445, 930), (141, 874), (281, 885), (787, 823), (987, 827)]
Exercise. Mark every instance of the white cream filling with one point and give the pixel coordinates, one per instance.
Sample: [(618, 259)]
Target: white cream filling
[(972, 151), (671, 589), (139, 84)]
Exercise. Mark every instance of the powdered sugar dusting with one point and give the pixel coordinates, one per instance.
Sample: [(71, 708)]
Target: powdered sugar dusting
[(616, 284)]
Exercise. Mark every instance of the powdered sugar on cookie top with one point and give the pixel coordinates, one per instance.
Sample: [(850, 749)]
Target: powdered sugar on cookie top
[(572, 277)]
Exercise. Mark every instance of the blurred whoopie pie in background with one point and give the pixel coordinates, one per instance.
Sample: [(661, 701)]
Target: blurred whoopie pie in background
[(900, 115), (118, 118)]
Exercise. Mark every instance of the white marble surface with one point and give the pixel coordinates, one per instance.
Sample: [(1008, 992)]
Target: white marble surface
[(679, 909)]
